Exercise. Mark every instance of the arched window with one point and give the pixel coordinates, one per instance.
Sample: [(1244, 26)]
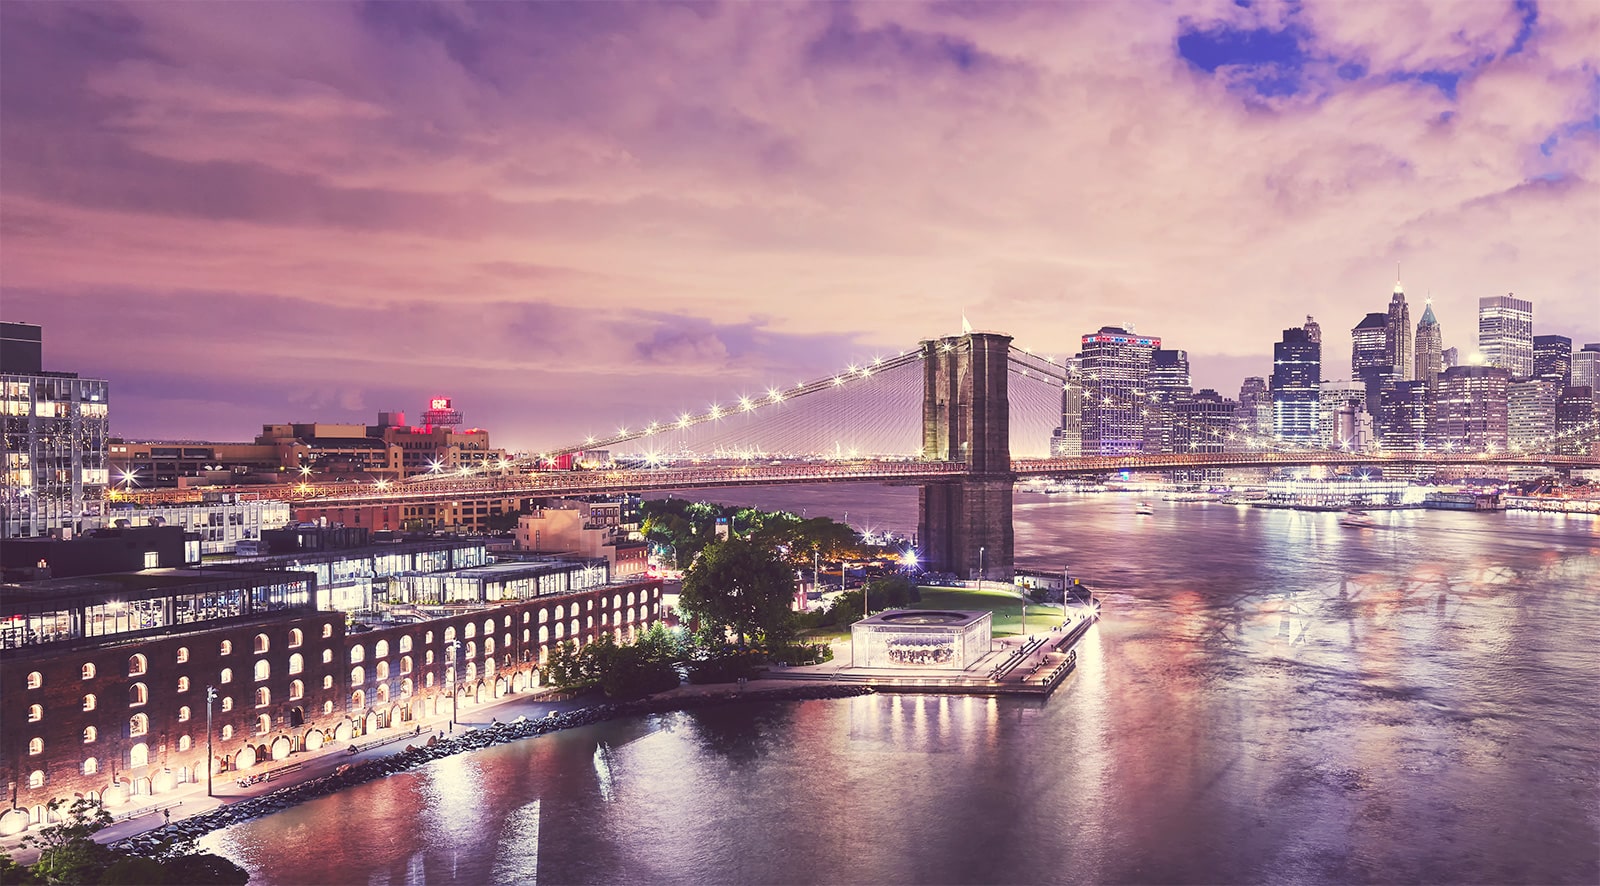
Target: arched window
[(35, 679), (138, 724), (263, 670), (263, 724), (405, 687), (262, 643), (139, 755), (327, 681), (227, 675), (227, 647), (544, 616), (88, 702), (327, 656), (470, 631), (327, 707), (358, 653), (405, 643), (184, 742), (380, 649), (296, 663), (488, 626), (358, 699), (183, 714), (560, 613), (507, 621), (472, 671), (427, 679), (183, 654), (449, 634), (427, 657), (35, 713), (327, 631), (427, 638), (90, 766), (358, 675), (137, 664), (405, 664), (88, 670), (472, 650), (183, 684), (227, 702), (138, 694), (263, 697), (90, 734), (381, 670), (296, 638), (506, 639), (526, 616), (36, 779), (297, 689), (488, 646), (525, 635), (35, 746), (227, 731)]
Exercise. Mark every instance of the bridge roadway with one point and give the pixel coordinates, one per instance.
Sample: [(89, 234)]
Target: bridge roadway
[(552, 483)]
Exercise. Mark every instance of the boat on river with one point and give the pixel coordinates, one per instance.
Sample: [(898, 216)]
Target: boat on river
[(1145, 509), (1357, 519)]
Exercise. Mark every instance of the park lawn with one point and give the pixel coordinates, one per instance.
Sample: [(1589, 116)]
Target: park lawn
[(833, 634), (1007, 608)]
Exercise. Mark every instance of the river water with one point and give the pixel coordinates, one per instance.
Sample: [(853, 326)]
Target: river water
[(1270, 698)]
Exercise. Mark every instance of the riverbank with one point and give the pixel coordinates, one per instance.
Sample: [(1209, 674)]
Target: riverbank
[(432, 748)]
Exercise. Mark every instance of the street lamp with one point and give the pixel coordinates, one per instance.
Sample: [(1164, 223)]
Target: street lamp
[(451, 648), (211, 760), (981, 549)]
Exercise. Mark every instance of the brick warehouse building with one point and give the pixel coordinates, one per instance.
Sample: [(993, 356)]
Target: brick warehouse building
[(109, 708)]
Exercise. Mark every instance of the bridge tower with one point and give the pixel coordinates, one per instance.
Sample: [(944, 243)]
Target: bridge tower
[(965, 525)]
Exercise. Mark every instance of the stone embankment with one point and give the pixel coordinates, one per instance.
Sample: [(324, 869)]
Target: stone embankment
[(434, 748)]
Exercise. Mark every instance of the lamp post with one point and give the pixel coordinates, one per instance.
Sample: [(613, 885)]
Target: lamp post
[(981, 550), (451, 648), (211, 760)]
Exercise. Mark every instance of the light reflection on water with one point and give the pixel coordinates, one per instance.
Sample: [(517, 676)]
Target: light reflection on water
[(1270, 698)]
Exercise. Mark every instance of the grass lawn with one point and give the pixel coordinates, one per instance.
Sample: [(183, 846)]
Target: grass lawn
[(1007, 608)]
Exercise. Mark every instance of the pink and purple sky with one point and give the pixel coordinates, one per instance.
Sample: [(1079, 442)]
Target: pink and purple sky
[(575, 216)]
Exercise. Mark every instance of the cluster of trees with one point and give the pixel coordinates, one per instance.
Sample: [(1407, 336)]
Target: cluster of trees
[(688, 528), (882, 593), (648, 664), (68, 853)]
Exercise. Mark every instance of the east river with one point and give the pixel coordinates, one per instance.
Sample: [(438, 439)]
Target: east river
[(1270, 698)]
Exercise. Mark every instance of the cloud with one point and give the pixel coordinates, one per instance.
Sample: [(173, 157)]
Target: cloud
[(565, 208)]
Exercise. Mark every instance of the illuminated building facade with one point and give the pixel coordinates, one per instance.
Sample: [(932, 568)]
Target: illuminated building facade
[(1369, 357), (1397, 337), (1575, 409), (1067, 440), (1296, 380), (1338, 402), (1254, 415), (54, 474), (1430, 347), (1505, 333), (1408, 417), (1471, 409), (1531, 411), (1169, 387), (1116, 370), (1586, 367), (1552, 359)]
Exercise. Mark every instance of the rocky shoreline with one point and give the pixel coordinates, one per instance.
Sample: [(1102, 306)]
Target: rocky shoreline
[(415, 755)]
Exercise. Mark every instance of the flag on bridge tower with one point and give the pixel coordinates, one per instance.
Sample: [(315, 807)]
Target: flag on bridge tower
[(966, 328)]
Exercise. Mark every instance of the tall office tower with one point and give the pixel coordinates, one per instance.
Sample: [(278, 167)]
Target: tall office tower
[(1204, 421), (1296, 376), (1116, 371), (1313, 329), (1552, 359), (1430, 347), (55, 440), (1449, 357), (1067, 441), (1333, 400), (1397, 336), (1531, 412), (1369, 357), (1470, 409), (1586, 367), (1575, 408), (1505, 333), (1253, 418), (1408, 422), (1168, 387)]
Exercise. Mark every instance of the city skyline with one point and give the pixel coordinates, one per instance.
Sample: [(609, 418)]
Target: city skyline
[(558, 214)]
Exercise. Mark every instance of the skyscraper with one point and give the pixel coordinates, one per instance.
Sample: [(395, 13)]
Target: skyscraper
[(1116, 372), (54, 473), (1169, 386), (1505, 333), (1254, 414), (1575, 408), (1470, 409), (1408, 420), (1337, 401), (1449, 357), (1430, 347), (1296, 377), (1369, 357), (1586, 367), (1313, 329), (1552, 359), (1067, 441), (1397, 336), (1531, 411)]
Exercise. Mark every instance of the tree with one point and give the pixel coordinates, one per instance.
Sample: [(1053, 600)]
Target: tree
[(743, 587), (67, 851)]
